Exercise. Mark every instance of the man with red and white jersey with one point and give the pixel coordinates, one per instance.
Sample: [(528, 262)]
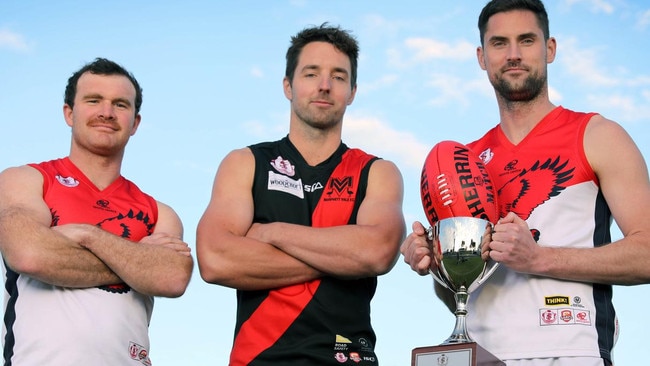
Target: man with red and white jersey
[(84, 249), (561, 177)]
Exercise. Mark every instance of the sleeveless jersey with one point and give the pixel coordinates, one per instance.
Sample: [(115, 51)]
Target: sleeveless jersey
[(547, 181), (107, 325), (321, 322)]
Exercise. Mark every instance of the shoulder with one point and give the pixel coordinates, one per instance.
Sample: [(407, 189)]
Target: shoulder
[(385, 172), (20, 176), (168, 220), (243, 157), (607, 143)]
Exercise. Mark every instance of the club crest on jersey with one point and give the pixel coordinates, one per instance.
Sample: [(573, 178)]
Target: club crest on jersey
[(67, 181), (534, 185), (340, 189), (486, 155), (283, 166)]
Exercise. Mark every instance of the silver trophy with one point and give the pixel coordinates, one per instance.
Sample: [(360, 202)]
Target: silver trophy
[(458, 242)]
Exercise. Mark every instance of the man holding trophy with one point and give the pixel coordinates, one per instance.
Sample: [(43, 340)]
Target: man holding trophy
[(560, 177)]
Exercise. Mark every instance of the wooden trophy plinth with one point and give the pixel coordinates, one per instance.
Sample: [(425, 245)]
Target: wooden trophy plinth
[(455, 354)]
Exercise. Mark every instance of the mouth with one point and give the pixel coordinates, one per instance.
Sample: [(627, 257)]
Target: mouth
[(322, 103), (103, 126)]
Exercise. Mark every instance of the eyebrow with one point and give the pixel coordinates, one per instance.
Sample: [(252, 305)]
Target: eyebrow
[(519, 37), (99, 96), (317, 67)]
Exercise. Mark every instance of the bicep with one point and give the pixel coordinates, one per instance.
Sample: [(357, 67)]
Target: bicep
[(230, 209), (168, 221), (621, 171), (382, 206), (21, 191)]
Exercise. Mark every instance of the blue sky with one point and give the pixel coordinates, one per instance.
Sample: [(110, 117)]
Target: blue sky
[(212, 78)]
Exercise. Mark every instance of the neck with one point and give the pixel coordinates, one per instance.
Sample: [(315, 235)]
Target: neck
[(519, 118), (315, 149), (101, 170)]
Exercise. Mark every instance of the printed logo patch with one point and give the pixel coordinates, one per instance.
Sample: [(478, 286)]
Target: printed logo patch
[(282, 183), (565, 316), (67, 181), (283, 166), (139, 353), (486, 155)]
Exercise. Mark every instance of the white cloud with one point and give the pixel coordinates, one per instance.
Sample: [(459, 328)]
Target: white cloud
[(596, 6), (644, 20), (377, 137), (626, 108), (257, 72), (554, 95), (583, 64), (427, 49), (452, 90), (381, 83), (13, 41)]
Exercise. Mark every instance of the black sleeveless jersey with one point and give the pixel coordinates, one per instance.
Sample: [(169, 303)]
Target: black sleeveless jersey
[(321, 322)]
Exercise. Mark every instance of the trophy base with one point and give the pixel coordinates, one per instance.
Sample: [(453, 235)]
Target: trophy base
[(455, 354)]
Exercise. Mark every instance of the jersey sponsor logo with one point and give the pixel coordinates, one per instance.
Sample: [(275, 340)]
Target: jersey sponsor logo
[(556, 300), (283, 166), (139, 353), (282, 183), (565, 316), (67, 181), (103, 205), (354, 356), (313, 187)]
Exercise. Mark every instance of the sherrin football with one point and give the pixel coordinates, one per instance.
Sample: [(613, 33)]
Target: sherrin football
[(455, 183)]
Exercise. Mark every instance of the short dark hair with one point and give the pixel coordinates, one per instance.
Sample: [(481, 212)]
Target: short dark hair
[(500, 6), (101, 66), (339, 38)]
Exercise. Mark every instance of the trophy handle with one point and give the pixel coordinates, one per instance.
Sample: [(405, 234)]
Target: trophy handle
[(438, 277)]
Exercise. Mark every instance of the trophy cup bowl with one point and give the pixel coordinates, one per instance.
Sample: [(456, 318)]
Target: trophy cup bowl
[(457, 243)]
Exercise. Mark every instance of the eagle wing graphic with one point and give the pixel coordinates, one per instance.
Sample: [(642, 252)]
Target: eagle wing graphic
[(534, 186)]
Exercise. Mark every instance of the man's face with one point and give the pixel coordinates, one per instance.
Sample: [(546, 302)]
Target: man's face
[(103, 117), (515, 55), (321, 89)]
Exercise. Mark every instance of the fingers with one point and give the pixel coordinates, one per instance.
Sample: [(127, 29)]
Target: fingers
[(418, 228), (417, 250)]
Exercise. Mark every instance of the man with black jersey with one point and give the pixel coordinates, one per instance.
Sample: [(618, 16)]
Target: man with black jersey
[(302, 227)]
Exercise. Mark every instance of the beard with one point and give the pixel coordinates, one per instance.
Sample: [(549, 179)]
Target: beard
[(318, 119), (531, 87)]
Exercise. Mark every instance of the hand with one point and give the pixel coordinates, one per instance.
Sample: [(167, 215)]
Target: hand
[(512, 244), (417, 250), (75, 232), (169, 241)]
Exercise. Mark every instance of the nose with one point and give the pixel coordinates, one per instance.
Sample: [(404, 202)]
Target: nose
[(325, 83), (514, 53), (107, 110)]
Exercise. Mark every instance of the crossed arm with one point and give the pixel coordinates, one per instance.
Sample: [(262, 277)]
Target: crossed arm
[(234, 252), (82, 255)]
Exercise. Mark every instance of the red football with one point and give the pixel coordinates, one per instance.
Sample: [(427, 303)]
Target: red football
[(455, 183)]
